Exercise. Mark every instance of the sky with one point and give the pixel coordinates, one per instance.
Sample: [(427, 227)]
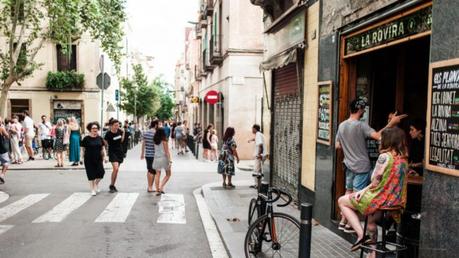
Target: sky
[(158, 30)]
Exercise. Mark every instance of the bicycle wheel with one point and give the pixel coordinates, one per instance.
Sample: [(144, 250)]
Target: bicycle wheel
[(253, 210), (259, 239)]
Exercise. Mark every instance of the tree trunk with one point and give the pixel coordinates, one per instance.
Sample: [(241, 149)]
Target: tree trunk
[(4, 98)]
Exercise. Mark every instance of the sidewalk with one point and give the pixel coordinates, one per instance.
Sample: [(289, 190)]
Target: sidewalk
[(226, 205)]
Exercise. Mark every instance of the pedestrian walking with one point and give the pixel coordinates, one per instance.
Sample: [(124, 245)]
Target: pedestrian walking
[(29, 134), (4, 151), (226, 159), (167, 130), (214, 146), (186, 133), (206, 142), (15, 132), (74, 141), (351, 138), (387, 188), (94, 156), (44, 129), (127, 138), (114, 140), (59, 142), (259, 152), (148, 153), (179, 135), (162, 160), (173, 142)]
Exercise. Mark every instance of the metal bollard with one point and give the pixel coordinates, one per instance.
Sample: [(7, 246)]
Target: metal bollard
[(305, 230)]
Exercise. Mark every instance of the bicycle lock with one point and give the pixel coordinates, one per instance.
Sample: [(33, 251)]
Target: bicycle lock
[(305, 230)]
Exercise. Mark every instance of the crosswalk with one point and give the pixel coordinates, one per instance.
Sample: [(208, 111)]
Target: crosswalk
[(171, 208)]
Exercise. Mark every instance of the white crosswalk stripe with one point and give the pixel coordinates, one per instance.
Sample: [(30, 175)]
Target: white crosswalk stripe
[(15, 207), (63, 209), (119, 208), (4, 228), (172, 209)]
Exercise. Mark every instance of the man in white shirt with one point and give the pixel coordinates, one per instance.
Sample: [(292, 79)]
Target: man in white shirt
[(45, 137), (259, 151), (29, 133)]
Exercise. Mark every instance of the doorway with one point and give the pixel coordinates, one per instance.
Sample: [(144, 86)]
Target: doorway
[(392, 79)]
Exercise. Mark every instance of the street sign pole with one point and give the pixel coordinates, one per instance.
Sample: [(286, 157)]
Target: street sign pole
[(101, 64)]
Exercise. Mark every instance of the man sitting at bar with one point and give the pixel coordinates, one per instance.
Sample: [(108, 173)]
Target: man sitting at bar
[(351, 137), (416, 150)]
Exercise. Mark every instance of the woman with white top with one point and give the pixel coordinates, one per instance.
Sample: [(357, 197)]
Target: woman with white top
[(15, 131), (162, 160), (213, 145)]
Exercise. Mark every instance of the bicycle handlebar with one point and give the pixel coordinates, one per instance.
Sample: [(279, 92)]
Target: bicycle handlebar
[(289, 197)]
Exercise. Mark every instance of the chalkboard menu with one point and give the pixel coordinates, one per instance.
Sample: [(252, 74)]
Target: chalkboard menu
[(443, 121), (324, 113)]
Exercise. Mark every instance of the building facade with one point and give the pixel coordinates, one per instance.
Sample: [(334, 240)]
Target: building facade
[(399, 55), (59, 100), (231, 50)]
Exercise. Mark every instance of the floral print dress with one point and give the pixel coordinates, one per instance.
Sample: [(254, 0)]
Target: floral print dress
[(388, 187), (226, 158)]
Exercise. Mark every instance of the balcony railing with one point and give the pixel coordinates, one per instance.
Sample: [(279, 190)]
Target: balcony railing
[(206, 62), (216, 57), (197, 73), (65, 81)]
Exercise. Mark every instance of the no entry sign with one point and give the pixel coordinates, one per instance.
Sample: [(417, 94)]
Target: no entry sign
[(211, 97)]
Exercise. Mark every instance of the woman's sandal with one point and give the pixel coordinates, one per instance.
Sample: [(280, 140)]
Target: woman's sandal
[(356, 245), (224, 185)]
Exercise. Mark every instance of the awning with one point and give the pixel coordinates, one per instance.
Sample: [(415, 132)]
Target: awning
[(279, 60)]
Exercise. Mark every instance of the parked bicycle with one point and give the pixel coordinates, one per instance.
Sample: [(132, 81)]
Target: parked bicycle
[(272, 234)]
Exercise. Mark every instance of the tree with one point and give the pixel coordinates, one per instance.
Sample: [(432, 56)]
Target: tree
[(139, 97), (165, 112), (28, 24)]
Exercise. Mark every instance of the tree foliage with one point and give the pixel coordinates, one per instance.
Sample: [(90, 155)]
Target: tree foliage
[(166, 103), (27, 24), (139, 97)]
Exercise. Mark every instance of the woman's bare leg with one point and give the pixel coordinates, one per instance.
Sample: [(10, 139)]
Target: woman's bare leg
[(157, 180), (166, 178), (351, 215)]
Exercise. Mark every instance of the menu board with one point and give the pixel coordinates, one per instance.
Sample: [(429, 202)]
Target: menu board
[(443, 121), (324, 113)]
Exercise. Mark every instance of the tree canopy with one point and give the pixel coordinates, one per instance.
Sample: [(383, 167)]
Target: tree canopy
[(27, 24)]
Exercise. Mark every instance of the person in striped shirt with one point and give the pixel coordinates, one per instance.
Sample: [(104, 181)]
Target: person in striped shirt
[(148, 153)]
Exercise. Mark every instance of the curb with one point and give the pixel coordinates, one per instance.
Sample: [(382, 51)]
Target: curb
[(51, 168), (216, 244)]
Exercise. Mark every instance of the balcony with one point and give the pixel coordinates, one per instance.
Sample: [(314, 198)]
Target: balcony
[(216, 57), (65, 81), (205, 61), (202, 24), (209, 7), (198, 32), (197, 73)]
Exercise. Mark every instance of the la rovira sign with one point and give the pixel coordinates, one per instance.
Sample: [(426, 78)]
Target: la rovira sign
[(212, 97)]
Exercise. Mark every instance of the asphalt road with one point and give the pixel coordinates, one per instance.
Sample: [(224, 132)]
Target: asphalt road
[(49, 214)]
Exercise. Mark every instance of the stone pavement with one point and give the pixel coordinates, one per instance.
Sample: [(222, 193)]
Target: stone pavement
[(226, 205)]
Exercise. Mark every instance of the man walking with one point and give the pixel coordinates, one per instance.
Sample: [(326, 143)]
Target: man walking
[(148, 153), (114, 139), (45, 137), (259, 152), (351, 138), (29, 133), (4, 150)]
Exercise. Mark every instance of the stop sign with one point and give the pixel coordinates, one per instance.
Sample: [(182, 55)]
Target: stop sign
[(211, 97)]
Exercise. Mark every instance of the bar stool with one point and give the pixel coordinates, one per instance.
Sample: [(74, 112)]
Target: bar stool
[(382, 246)]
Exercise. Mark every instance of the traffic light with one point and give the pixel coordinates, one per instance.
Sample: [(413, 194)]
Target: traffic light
[(117, 95)]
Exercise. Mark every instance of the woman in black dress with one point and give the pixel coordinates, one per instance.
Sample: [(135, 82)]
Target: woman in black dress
[(94, 155), (206, 142)]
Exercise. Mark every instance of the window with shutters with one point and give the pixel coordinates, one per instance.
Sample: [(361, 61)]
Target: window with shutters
[(66, 61)]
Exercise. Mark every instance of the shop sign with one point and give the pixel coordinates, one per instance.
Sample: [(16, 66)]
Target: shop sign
[(325, 113), (195, 99), (289, 36), (417, 22), (212, 97), (67, 104), (442, 139)]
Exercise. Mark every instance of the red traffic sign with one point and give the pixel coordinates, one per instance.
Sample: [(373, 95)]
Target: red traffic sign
[(212, 97)]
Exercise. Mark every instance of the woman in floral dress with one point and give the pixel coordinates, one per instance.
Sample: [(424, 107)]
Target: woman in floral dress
[(227, 155), (387, 188)]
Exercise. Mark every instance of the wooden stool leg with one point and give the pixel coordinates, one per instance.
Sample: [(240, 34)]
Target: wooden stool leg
[(364, 234)]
